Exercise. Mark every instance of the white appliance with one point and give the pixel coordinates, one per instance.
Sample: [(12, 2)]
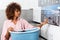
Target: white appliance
[(50, 32), (37, 14)]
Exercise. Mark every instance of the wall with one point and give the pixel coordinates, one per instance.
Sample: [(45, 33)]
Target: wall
[(26, 4), (47, 2)]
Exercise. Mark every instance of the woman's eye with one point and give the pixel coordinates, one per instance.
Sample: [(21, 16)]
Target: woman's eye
[(16, 11)]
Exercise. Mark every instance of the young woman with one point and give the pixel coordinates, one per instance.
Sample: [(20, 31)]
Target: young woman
[(13, 22)]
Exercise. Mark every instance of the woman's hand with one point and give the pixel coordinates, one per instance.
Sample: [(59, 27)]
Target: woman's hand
[(10, 29), (7, 36), (43, 23)]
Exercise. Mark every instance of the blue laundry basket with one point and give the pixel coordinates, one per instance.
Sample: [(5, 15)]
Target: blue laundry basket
[(32, 34)]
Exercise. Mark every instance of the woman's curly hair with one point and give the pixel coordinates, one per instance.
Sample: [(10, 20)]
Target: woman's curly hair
[(11, 9)]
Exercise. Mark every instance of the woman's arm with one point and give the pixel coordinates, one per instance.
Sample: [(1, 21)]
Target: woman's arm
[(7, 36)]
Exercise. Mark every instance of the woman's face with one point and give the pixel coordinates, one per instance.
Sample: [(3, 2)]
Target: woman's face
[(17, 13)]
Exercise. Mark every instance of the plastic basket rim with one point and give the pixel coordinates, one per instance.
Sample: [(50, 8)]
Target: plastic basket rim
[(26, 32)]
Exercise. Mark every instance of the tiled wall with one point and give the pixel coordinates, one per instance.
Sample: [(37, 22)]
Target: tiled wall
[(47, 2)]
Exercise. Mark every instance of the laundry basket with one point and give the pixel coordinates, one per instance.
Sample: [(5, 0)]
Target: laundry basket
[(32, 34)]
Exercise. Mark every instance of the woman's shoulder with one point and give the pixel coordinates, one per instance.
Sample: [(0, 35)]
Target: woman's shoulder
[(21, 19), (7, 21)]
